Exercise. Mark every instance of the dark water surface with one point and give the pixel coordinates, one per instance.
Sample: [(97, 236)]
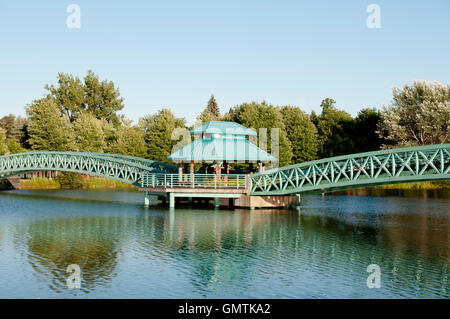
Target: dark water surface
[(127, 251)]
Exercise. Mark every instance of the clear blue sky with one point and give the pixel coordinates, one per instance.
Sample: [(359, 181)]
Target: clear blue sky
[(176, 53)]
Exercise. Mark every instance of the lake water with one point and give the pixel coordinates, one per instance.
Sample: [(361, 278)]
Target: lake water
[(320, 251)]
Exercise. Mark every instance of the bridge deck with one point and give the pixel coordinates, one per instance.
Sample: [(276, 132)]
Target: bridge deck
[(163, 190)]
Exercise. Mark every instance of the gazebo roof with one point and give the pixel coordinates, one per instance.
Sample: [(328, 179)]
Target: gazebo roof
[(221, 149), (227, 142), (223, 127)]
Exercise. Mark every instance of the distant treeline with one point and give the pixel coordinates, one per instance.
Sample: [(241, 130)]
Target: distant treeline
[(82, 115)]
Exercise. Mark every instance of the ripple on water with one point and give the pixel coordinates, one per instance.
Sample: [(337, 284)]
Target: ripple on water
[(125, 250)]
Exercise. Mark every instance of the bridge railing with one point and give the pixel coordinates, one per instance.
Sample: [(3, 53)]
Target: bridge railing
[(431, 162), (214, 181)]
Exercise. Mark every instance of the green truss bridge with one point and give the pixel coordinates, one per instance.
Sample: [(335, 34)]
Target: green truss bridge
[(413, 164), (127, 169)]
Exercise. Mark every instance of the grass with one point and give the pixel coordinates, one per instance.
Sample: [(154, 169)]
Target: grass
[(88, 183), (419, 185), (39, 183), (100, 182)]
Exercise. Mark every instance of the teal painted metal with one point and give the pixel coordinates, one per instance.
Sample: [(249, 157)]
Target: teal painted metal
[(118, 167), (198, 181), (413, 164), (156, 166), (221, 141), (223, 127), (221, 149)]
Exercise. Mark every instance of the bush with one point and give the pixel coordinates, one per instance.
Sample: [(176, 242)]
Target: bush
[(70, 180)]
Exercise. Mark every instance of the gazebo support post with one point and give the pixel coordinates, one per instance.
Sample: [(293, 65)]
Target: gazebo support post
[(227, 171), (180, 171), (191, 171)]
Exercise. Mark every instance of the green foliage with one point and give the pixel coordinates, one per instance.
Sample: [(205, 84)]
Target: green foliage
[(418, 115), (100, 182), (48, 129), (39, 183), (87, 183), (15, 127), (14, 147), (328, 103), (211, 112), (158, 129), (129, 140), (301, 133), (81, 115), (261, 115), (89, 133), (7, 123), (418, 185), (70, 180), (364, 132), (335, 130), (3, 147), (73, 97)]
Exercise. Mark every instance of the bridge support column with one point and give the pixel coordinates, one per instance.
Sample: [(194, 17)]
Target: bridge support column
[(146, 199), (216, 202), (171, 200), (299, 199)]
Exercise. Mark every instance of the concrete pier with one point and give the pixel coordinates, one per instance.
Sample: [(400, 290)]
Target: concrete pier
[(221, 197)]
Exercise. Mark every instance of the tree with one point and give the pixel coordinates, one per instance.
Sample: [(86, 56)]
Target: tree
[(89, 134), (3, 147), (364, 131), (102, 98), (334, 127), (73, 96), (328, 103), (70, 180), (211, 112), (301, 133), (7, 123), (261, 115), (15, 127), (48, 129), (418, 115), (129, 141), (14, 146), (158, 129)]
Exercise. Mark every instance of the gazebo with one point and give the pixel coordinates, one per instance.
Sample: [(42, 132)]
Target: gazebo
[(220, 142)]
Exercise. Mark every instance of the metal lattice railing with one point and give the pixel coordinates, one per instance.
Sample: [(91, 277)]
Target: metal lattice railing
[(431, 162), (122, 168), (231, 181), (157, 166), (421, 163)]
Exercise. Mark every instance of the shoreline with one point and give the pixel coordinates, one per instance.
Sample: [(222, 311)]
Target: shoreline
[(88, 183), (105, 183)]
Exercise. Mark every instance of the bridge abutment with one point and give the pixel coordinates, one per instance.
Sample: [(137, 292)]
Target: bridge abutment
[(10, 183)]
